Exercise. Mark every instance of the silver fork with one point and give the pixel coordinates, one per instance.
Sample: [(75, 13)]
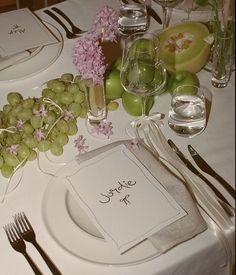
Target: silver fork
[(27, 233), (19, 245)]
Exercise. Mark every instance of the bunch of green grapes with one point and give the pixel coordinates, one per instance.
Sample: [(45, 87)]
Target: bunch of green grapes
[(29, 125)]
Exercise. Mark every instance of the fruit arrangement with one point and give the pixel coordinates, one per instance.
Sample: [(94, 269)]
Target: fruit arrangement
[(31, 125)]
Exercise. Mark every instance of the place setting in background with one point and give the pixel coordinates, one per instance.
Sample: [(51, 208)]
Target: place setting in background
[(29, 45)]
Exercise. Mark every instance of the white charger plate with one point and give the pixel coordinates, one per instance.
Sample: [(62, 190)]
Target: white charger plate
[(37, 62), (70, 227)]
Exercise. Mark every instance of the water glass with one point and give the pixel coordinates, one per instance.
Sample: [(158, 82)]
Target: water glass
[(187, 114), (222, 60), (132, 17)]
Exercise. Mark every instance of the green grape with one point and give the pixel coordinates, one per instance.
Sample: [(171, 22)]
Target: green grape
[(32, 155), (16, 110), (11, 159), (57, 99), (56, 85), (62, 126), (16, 137), (112, 106), (54, 132), (73, 88), (77, 79), (9, 140), (83, 112), (28, 128), (50, 118), (24, 114), (1, 114), (61, 139), (56, 149), (7, 170), (73, 129), (28, 103), (75, 109), (23, 151), (48, 93), (11, 120), (44, 145), (1, 161), (83, 86), (6, 108), (79, 97), (66, 98), (36, 122), (67, 77), (14, 98), (30, 141)]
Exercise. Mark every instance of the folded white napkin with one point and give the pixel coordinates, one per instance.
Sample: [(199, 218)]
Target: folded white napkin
[(8, 61), (181, 230)]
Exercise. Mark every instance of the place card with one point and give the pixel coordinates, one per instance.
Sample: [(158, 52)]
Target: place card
[(122, 198), (22, 30)]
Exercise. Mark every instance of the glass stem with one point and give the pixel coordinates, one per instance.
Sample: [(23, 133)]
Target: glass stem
[(165, 16), (144, 105)]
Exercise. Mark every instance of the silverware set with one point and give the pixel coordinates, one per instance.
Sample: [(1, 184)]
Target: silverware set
[(20, 231), (206, 168), (75, 31)]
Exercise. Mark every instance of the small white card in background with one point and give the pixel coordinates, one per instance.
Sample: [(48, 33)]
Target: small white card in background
[(123, 199), (21, 30)]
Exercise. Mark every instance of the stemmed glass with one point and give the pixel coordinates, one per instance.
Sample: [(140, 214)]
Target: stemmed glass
[(188, 6), (165, 4), (142, 72)]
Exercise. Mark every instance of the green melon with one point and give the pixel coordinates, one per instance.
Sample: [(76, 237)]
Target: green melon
[(183, 48)]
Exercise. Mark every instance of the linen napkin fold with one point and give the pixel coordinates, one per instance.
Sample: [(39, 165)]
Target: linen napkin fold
[(179, 231), (8, 61)]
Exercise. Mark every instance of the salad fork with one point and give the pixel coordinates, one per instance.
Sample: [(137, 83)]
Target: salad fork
[(18, 244), (27, 233)]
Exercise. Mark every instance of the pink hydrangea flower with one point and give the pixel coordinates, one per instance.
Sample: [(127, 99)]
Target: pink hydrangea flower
[(13, 149), (80, 144), (39, 135), (89, 59), (104, 128), (42, 112)]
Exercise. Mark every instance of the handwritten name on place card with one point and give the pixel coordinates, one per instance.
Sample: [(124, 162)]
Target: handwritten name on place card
[(123, 199), (22, 30)]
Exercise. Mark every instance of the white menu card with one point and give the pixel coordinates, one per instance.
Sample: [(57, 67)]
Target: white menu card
[(21, 30), (123, 199)]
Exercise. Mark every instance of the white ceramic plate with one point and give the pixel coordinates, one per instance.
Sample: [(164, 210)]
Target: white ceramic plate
[(37, 62), (70, 228)]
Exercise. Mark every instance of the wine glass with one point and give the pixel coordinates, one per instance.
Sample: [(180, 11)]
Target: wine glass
[(188, 6), (142, 72), (165, 4)]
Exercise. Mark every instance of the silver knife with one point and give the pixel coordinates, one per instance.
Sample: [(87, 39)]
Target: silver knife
[(221, 199), (204, 166)]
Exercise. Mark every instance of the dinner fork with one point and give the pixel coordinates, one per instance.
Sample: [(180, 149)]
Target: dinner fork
[(19, 245), (27, 233), (69, 34), (74, 29)]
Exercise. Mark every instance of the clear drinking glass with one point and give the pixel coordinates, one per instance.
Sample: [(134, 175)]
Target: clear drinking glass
[(132, 17), (187, 114), (142, 72)]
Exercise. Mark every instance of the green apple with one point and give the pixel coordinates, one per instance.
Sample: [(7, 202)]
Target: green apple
[(182, 78), (113, 87), (133, 104)]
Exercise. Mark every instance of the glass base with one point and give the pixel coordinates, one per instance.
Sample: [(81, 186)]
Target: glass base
[(92, 128)]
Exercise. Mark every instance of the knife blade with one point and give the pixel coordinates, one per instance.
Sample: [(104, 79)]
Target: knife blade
[(221, 199), (205, 167)]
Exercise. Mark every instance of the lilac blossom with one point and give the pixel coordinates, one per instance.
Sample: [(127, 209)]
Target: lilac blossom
[(13, 149), (42, 112), (20, 123), (133, 144), (80, 144), (67, 115), (104, 128), (89, 59), (39, 135)]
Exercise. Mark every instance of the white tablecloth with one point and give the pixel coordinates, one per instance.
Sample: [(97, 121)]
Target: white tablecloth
[(203, 254)]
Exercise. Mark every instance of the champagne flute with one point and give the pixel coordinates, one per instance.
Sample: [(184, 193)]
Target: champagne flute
[(142, 72), (165, 4)]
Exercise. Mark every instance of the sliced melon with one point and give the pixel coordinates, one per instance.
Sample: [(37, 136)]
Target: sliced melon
[(183, 48)]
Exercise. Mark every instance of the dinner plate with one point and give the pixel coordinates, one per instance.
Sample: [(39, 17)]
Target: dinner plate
[(37, 62), (70, 227)]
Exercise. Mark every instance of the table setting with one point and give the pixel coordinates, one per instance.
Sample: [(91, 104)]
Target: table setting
[(117, 138)]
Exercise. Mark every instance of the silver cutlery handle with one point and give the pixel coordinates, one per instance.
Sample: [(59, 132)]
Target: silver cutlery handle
[(32, 264), (47, 260)]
